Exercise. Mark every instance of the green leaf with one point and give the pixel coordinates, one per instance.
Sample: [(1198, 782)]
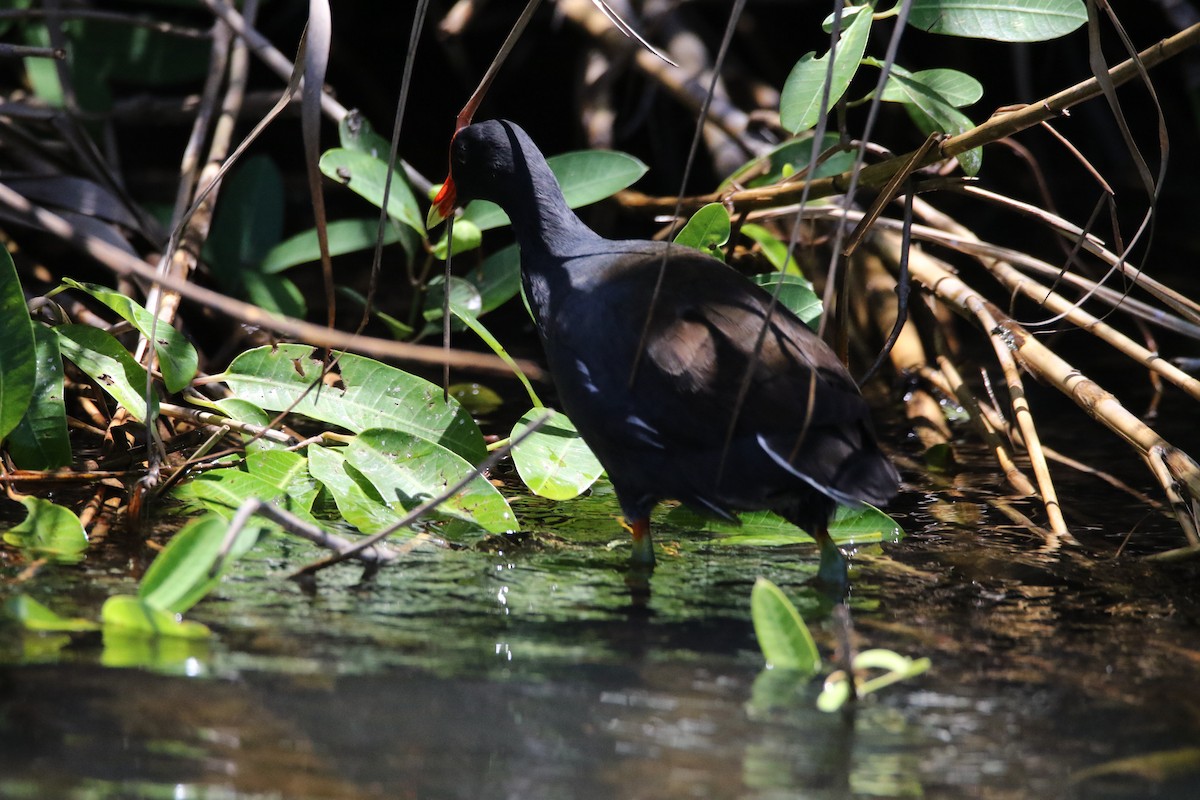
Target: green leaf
[(849, 526), (466, 237), (49, 530), (707, 231), (366, 176), (554, 461), (286, 470), (356, 499), (932, 113), (369, 395), (34, 616), (399, 330), (463, 294), (796, 295), (498, 278), (355, 132), (224, 491), (949, 86), (407, 470), (18, 368), (1001, 20), (179, 576), (585, 176), (109, 364), (781, 632), (800, 101), (479, 329), (40, 440), (345, 236), (176, 357), (133, 616)]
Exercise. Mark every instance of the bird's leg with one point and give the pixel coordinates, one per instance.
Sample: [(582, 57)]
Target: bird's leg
[(833, 572), (643, 544)]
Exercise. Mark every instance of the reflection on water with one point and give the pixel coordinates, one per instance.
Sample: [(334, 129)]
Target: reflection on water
[(523, 670)]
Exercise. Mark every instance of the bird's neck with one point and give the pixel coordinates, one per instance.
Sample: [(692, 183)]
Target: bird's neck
[(544, 224)]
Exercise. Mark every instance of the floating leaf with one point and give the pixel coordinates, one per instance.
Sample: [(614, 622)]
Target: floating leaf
[(176, 357), (1001, 20), (17, 352), (849, 526), (800, 103), (34, 616), (407, 470), (554, 461), (49, 530), (370, 395), (110, 365), (40, 440), (133, 616), (707, 231), (781, 632)]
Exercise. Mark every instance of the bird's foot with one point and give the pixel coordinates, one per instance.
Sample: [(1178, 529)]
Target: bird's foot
[(642, 555), (833, 575)]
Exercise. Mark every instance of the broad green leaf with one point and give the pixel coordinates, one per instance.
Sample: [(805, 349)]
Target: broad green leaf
[(356, 499), (286, 470), (554, 461), (179, 576), (789, 158), (109, 364), (345, 236), (133, 616), (366, 176), (370, 394), (800, 102), (1001, 20), (244, 411), (781, 632), (773, 248), (40, 440), (954, 88), (931, 115), (49, 530), (849, 526), (355, 132), (177, 358), (34, 616), (707, 230), (224, 491), (478, 399), (18, 368), (407, 470), (586, 176), (479, 329), (498, 278), (796, 295)]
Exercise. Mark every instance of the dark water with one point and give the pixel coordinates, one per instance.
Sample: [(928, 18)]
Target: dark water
[(525, 670)]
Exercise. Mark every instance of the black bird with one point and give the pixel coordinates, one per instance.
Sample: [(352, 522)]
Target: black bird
[(695, 388)]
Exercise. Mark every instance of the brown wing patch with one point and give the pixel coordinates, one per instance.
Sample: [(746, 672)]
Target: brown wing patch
[(685, 350)]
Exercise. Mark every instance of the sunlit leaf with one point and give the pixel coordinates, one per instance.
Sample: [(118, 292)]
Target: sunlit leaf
[(40, 440), (177, 358), (34, 616), (286, 470), (179, 576), (17, 352), (344, 235), (781, 632), (109, 364), (370, 394), (849, 526), (498, 278), (789, 158), (407, 470), (1002, 20), (49, 530), (366, 176), (796, 295), (357, 501), (585, 176), (554, 461), (133, 616), (954, 88), (463, 294), (707, 230), (800, 104)]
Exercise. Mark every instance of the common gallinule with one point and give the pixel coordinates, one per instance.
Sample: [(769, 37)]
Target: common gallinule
[(675, 385)]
